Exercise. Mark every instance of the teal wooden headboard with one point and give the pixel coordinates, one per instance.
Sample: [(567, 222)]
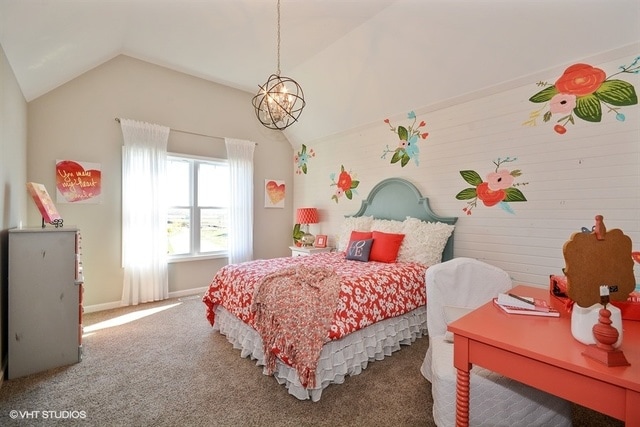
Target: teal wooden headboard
[(397, 198)]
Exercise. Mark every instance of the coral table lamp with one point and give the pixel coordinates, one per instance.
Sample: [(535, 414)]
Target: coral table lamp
[(307, 216)]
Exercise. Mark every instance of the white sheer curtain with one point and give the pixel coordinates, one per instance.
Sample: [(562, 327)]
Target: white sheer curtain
[(144, 237), (240, 156)]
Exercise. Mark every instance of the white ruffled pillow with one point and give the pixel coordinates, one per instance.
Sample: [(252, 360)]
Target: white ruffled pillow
[(424, 241), (387, 226), (352, 223)]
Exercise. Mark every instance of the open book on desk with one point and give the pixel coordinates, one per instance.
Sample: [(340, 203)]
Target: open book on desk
[(515, 304)]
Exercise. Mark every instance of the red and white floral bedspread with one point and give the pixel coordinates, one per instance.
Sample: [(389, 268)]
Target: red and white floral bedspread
[(370, 291)]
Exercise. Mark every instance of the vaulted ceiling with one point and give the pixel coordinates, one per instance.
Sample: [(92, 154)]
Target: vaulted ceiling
[(358, 61)]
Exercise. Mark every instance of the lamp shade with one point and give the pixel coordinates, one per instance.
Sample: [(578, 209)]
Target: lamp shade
[(307, 216)]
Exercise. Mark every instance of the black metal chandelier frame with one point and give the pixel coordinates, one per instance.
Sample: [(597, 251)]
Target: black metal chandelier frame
[(280, 101)]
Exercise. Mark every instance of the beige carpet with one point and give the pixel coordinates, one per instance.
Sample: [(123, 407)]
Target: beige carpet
[(167, 367)]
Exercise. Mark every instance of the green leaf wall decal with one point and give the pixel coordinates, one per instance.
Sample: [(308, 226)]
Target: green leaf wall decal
[(472, 177), (514, 195), (617, 92), (544, 95), (397, 156), (588, 108), (403, 133), (466, 194)]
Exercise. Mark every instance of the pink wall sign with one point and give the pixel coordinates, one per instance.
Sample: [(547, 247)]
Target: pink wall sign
[(78, 182)]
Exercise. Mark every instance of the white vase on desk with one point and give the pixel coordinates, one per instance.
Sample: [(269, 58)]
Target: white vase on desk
[(583, 319)]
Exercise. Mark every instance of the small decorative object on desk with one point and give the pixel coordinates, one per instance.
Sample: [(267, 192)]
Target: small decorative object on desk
[(605, 335), (515, 304), (528, 303), (321, 241), (599, 269)]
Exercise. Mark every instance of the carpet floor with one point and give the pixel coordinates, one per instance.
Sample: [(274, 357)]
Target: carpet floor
[(161, 364)]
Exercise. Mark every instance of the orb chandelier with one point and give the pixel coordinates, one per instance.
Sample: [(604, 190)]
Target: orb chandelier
[(280, 101)]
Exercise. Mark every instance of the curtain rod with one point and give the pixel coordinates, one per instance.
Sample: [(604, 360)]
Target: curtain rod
[(186, 131)]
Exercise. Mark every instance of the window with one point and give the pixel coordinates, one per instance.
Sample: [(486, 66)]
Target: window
[(198, 207)]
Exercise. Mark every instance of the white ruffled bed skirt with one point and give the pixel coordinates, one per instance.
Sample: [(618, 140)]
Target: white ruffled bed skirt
[(347, 356)]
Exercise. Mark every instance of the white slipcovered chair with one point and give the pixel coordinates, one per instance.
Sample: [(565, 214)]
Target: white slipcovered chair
[(453, 289)]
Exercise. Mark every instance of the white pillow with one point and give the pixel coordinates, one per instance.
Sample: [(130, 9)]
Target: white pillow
[(424, 241), (387, 226), (351, 223), (451, 314)]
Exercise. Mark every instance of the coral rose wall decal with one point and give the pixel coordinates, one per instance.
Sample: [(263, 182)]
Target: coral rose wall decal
[(345, 184), (584, 91), (498, 189)]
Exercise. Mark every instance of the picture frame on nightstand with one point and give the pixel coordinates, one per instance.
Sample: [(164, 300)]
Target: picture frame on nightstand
[(321, 241)]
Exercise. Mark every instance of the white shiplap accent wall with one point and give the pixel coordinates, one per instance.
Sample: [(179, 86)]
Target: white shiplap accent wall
[(592, 169)]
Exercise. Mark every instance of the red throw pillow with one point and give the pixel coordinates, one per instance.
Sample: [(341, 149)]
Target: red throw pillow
[(385, 246), (360, 235)]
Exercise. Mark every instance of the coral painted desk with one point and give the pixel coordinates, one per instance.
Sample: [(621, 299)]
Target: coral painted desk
[(541, 352)]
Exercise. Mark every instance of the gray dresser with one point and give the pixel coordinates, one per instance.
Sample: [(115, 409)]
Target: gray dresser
[(45, 299)]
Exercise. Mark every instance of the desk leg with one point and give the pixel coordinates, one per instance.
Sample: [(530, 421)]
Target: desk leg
[(462, 398), (463, 367), (632, 415)]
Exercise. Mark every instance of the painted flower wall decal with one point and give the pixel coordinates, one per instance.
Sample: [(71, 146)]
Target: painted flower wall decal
[(583, 92), (301, 159), (498, 188), (345, 184), (407, 148)]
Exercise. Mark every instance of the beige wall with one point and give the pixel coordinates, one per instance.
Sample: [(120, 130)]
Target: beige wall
[(76, 122), (13, 148), (13, 172)]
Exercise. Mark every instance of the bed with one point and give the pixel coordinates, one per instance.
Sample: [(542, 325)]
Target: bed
[(378, 305)]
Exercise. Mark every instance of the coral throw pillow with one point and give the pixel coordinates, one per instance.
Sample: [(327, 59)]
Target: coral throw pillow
[(360, 235), (385, 246)]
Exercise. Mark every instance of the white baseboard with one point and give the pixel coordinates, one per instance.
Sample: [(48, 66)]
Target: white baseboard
[(101, 307), (117, 304), (189, 292)]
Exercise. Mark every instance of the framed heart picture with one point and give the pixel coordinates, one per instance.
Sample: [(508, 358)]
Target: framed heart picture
[(78, 182), (274, 192)]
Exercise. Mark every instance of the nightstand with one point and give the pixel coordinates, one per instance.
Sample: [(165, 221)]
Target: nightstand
[(307, 250)]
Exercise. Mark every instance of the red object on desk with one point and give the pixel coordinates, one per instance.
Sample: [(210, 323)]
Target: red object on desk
[(629, 309), (541, 352)]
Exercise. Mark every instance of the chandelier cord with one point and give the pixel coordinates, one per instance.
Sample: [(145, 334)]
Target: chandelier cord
[(280, 101), (278, 73)]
